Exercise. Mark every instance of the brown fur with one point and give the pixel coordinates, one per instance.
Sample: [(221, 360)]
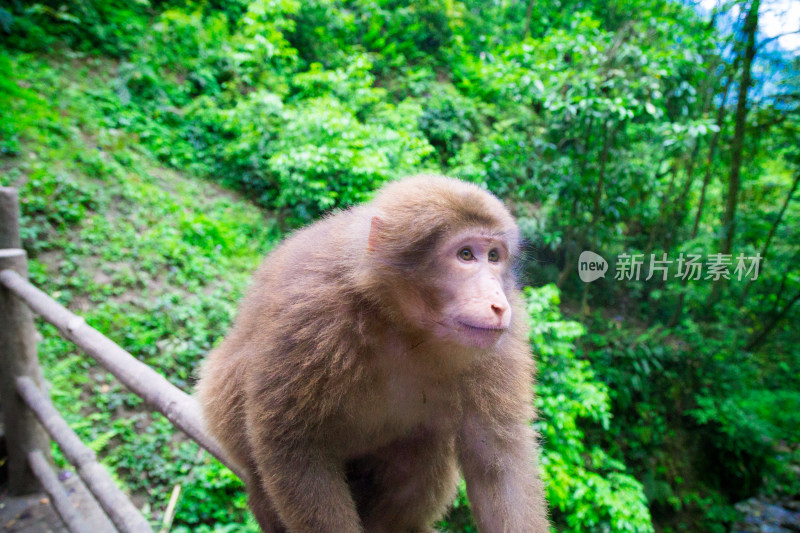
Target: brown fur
[(348, 412)]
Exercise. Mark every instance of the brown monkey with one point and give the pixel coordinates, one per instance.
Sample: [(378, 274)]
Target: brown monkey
[(378, 352)]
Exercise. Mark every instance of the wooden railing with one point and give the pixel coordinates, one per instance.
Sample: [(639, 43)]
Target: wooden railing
[(29, 417)]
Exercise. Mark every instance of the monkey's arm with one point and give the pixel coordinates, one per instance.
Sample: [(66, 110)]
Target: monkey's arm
[(307, 489), (500, 467), (498, 448)]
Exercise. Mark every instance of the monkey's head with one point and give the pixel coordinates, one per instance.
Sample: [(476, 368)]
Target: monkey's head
[(441, 251)]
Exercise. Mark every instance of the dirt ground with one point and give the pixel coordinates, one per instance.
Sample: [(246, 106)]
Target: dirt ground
[(34, 514)]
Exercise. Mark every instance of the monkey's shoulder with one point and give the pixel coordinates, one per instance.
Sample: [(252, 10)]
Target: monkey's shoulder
[(313, 265), (324, 241)]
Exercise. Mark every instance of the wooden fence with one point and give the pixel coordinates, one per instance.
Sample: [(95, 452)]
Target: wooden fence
[(29, 417)]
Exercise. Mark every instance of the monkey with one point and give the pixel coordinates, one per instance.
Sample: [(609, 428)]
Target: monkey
[(380, 354)]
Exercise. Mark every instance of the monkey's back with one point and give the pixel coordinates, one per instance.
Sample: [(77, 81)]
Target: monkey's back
[(294, 339)]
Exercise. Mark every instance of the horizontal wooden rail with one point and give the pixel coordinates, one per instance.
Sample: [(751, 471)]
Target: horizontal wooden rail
[(115, 503), (44, 473), (179, 408)]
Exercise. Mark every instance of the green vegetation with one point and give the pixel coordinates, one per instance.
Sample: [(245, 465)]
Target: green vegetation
[(161, 148)]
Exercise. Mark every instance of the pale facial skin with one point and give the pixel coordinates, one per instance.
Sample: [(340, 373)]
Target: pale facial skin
[(477, 312)]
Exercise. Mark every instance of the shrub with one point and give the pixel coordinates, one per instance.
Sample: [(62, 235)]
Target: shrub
[(588, 489)]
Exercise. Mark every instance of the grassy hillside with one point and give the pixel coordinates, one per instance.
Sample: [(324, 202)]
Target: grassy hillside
[(151, 258)]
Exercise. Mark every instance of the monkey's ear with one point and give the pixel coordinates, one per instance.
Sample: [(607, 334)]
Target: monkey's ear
[(377, 232)]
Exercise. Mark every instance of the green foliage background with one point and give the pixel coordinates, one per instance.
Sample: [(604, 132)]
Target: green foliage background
[(162, 147)]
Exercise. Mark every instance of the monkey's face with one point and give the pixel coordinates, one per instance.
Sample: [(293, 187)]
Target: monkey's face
[(475, 312)]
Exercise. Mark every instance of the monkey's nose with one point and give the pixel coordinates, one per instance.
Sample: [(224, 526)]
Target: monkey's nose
[(500, 309)]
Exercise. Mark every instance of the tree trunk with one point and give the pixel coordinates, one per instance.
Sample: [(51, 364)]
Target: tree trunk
[(737, 145), (712, 149), (740, 124), (772, 230), (678, 209), (608, 141), (666, 202), (759, 339), (528, 14)]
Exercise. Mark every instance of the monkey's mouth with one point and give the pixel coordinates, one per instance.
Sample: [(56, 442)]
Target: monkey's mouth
[(488, 329), (480, 336)]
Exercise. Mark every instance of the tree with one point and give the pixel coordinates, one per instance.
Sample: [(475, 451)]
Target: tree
[(737, 144)]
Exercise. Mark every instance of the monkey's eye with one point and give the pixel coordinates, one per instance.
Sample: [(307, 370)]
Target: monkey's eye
[(465, 254), (494, 256)]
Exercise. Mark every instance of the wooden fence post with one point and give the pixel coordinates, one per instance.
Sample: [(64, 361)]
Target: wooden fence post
[(9, 218), (23, 433)]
